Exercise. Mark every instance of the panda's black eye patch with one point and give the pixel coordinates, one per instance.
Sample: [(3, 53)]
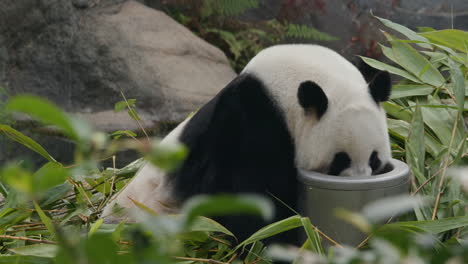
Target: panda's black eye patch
[(387, 168), (374, 161), (340, 162)]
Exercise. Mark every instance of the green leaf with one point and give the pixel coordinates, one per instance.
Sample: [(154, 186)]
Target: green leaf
[(385, 67), (234, 44), (432, 226), (458, 85), (117, 233), (95, 226), (409, 90), (43, 110), (119, 106), (117, 134), (256, 253), (26, 141), (388, 52), (133, 114), (453, 38), (14, 217), (18, 178), (271, 230), (55, 193), (167, 155), (425, 29), (100, 248), (45, 219), (38, 250), (415, 142), (383, 209), (143, 207), (48, 176), (307, 32), (221, 205), (233, 8), (405, 31), (356, 219), (25, 260), (208, 225), (131, 102), (397, 111), (415, 63), (400, 129), (440, 121), (313, 236)]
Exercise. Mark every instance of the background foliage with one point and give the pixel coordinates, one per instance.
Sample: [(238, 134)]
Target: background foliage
[(217, 21), (52, 215)]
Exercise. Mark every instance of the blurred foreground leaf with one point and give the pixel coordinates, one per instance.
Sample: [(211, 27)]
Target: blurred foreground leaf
[(221, 205), (38, 250), (44, 111), (25, 141)]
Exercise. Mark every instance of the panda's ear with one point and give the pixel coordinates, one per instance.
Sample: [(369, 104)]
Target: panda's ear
[(312, 97), (380, 86), (379, 82)]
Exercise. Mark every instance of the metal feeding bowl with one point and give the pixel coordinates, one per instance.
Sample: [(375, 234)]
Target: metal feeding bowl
[(322, 194)]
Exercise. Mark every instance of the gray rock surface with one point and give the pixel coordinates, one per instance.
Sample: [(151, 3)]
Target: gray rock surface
[(81, 58), (81, 53)]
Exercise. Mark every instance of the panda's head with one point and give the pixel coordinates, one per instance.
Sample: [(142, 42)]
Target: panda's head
[(332, 110)]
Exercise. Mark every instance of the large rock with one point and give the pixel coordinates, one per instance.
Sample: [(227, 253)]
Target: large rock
[(81, 54), (81, 58), (148, 56)]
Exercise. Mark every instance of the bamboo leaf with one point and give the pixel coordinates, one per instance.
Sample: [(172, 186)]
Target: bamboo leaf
[(440, 121), (48, 176), (133, 114), (45, 219), (409, 90), (383, 209), (405, 31), (225, 205), (271, 230), (458, 85), (25, 141), (38, 250), (401, 129), (397, 111), (119, 106), (453, 38), (43, 110), (95, 226), (414, 62), (432, 226), (25, 259), (415, 142), (313, 236), (385, 67), (208, 225)]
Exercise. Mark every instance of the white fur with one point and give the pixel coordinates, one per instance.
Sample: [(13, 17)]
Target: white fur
[(148, 187), (353, 122)]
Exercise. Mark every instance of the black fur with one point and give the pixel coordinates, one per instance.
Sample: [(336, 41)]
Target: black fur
[(312, 97), (380, 83), (239, 143), (340, 162), (374, 161)]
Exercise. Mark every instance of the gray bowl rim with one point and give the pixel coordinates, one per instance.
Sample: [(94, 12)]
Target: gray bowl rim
[(399, 175)]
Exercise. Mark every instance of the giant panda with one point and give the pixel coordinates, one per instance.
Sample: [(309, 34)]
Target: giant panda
[(293, 106)]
